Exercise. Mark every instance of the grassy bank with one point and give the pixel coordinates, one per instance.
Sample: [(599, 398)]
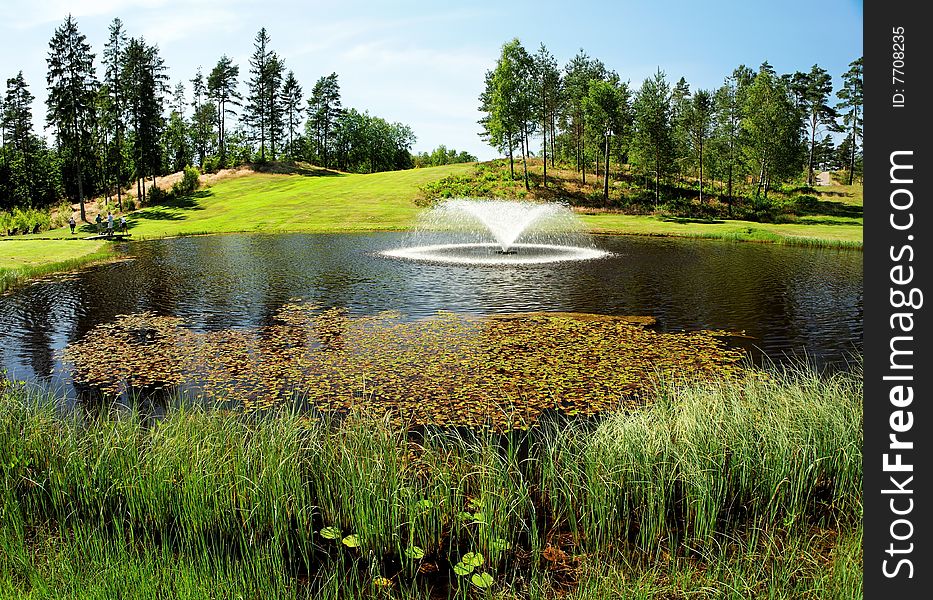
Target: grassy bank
[(26, 259), (825, 234), (749, 489)]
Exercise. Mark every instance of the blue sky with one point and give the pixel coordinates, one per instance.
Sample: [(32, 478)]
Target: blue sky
[(423, 63)]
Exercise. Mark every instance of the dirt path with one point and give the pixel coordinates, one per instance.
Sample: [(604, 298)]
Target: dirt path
[(824, 178)]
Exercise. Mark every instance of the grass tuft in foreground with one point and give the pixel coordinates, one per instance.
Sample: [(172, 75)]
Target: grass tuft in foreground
[(740, 489)]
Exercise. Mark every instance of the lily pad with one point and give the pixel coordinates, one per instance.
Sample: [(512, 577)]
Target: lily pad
[(462, 569), (330, 533), (482, 580), (472, 558), (351, 541), (414, 552)]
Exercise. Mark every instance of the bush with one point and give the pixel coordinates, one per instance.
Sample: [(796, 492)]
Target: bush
[(24, 220), (189, 182), (64, 211), (157, 195), (211, 164)]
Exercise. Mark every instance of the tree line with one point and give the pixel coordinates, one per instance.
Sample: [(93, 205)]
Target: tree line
[(755, 131), (118, 122)]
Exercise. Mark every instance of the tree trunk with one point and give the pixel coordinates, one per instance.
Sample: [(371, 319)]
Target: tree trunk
[(606, 182), (852, 160), (525, 155), (544, 133), (657, 177), (701, 171), (813, 124)]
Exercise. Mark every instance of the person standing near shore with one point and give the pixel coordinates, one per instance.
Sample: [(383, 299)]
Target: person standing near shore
[(71, 223), (99, 220), (123, 223), (109, 223)]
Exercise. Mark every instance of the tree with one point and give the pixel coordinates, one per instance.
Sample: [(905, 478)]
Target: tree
[(16, 178), (177, 141), (261, 99), (202, 121), (323, 111), (606, 109), (146, 81), (816, 86), (851, 100), (509, 101), (276, 103), (114, 56), (16, 115), (653, 129), (72, 85), (772, 127), (680, 136), (292, 104), (730, 106), (222, 89), (698, 121), (576, 84), (547, 91)]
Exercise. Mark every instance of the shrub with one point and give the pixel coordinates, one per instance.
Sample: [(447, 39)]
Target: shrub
[(157, 195), (189, 182)]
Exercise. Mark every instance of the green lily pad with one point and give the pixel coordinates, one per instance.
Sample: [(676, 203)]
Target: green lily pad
[(424, 504), (330, 533), (482, 580), (462, 569), (472, 558), (414, 552), (351, 541)]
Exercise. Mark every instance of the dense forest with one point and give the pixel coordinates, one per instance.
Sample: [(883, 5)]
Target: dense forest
[(118, 122), (758, 129)]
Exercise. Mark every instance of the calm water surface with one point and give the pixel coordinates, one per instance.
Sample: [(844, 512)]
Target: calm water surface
[(791, 302)]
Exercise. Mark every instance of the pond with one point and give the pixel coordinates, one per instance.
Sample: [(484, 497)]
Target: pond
[(789, 302)]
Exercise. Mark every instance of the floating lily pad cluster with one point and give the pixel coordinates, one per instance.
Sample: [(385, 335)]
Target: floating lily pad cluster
[(449, 370)]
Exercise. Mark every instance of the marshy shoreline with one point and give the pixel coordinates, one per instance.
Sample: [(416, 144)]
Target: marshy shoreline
[(743, 488)]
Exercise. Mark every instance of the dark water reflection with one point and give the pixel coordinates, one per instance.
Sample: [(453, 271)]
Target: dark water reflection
[(790, 301)]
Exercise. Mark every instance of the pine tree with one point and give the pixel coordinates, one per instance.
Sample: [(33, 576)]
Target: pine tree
[(654, 143), (698, 122), (114, 56), (222, 89), (72, 87), (851, 98), (292, 105), (324, 109), (144, 74), (257, 110), (817, 85), (202, 122), (547, 90)]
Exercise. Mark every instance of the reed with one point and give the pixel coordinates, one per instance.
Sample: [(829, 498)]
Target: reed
[(704, 479)]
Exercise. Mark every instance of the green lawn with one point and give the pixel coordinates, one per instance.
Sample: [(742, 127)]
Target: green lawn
[(828, 231), (330, 202), (25, 258)]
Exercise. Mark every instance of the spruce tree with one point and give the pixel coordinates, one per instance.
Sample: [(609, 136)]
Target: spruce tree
[(72, 85)]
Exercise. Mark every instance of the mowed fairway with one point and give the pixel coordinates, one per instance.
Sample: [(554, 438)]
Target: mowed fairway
[(275, 203)]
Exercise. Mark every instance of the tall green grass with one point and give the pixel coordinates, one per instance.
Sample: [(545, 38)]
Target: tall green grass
[(704, 479)]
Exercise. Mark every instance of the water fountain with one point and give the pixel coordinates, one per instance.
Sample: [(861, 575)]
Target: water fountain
[(468, 231)]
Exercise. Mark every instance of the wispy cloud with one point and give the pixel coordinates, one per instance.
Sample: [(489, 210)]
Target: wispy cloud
[(23, 14)]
